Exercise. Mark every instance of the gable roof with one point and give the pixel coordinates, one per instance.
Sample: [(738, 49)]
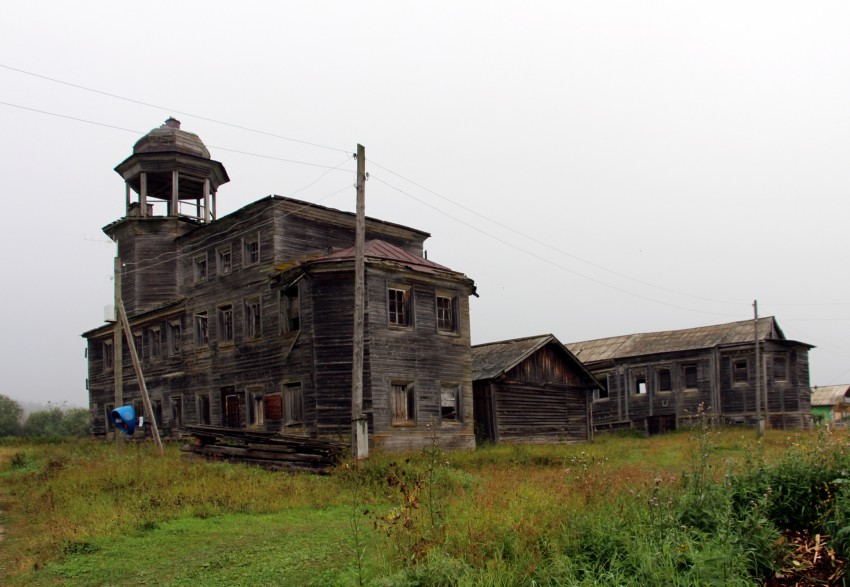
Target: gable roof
[(490, 360), (703, 337), (830, 395)]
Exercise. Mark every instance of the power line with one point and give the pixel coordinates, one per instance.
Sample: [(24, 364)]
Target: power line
[(551, 247), (553, 263), (182, 112)]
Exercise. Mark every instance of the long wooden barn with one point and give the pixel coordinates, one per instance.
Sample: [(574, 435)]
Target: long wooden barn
[(531, 390), (246, 320), (654, 381)]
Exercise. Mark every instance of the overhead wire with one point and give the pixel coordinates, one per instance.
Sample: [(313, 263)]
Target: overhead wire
[(548, 261), (173, 110)]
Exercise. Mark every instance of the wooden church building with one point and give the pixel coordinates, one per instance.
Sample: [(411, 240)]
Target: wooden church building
[(247, 320)]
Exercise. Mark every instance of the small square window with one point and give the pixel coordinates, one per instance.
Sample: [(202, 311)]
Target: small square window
[(251, 250), (399, 306), (225, 323), (200, 271), (202, 332), (224, 260), (446, 313), (403, 403)]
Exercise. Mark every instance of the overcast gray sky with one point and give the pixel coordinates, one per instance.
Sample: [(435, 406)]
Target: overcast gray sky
[(598, 168)]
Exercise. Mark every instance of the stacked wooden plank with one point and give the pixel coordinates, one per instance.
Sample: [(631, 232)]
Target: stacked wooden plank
[(269, 450)]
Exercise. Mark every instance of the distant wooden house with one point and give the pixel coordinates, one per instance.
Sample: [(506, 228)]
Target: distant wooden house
[(831, 404), (531, 390), (656, 380), (247, 321)]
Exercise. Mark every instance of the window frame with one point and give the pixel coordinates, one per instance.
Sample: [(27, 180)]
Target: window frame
[(200, 269), (222, 312), (456, 390), (736, 370), (203, 407), (155, 343), (201, 330), (408, 414), (288, 323), (175, 336), (453, 312), (224, 267), (252, 323), (659, 379), (686, 369), (251, 249), (108, 355), (403, 317), (603, 393), (640, 383), (292, 395), (783, 375)]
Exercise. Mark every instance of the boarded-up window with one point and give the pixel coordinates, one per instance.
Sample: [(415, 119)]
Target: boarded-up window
[(780, 369), (403, 404), (274, 407), (293, 403), (399, 306), (450, 403), (739, 370), (689, 373), (225, 323), (665, 380)]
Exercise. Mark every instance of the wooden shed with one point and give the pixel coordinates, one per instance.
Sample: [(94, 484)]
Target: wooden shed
[(531, 390)]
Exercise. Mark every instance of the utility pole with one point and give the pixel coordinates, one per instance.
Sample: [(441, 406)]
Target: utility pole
[(139, 375), (759, 419), (117, 350), (359, 424)]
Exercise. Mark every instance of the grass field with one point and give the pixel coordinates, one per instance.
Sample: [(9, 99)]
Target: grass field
[(689, 508)]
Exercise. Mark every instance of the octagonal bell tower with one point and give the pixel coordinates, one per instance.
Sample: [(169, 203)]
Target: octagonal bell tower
[(171, 185)]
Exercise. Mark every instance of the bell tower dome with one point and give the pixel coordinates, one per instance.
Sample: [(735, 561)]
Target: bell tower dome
[(170, 185), (170, 173)]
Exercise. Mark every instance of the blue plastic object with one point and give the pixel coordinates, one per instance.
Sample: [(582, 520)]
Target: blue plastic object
[(124, 419)]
